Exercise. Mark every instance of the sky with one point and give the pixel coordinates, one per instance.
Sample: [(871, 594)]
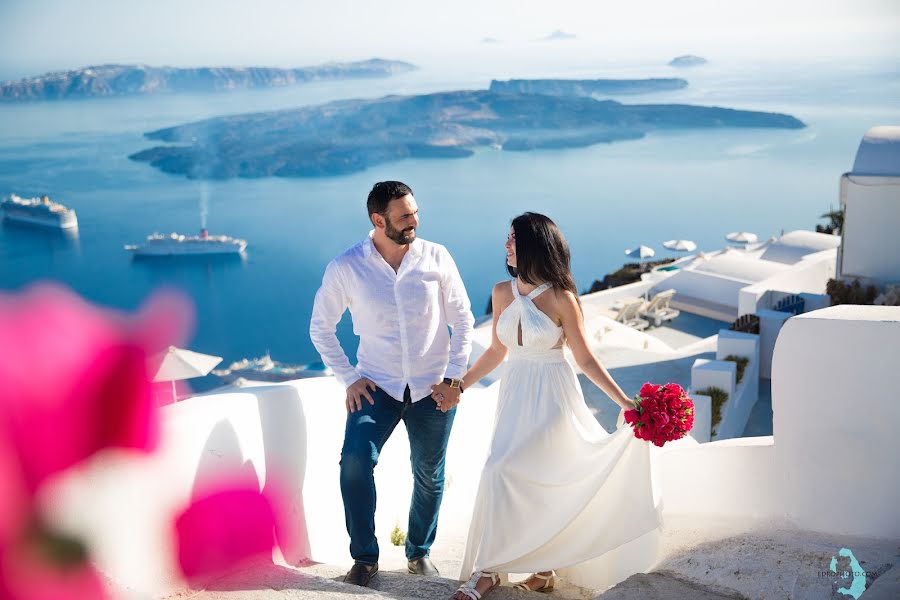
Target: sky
[(44, 35)]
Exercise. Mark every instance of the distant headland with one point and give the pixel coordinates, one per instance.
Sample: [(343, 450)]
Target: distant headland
[(687, 60), (350, 135), (587, 87), (136, 80)]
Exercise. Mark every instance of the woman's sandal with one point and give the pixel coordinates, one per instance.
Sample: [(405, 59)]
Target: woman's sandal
[(546, 587), (468, 588)]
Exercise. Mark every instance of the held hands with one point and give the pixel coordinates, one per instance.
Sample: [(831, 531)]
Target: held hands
[(445, 396), (356, 391)]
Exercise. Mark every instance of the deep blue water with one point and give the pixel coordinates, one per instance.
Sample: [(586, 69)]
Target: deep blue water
[(693, 185)]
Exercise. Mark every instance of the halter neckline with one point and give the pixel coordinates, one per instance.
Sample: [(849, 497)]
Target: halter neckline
[(533, 293)]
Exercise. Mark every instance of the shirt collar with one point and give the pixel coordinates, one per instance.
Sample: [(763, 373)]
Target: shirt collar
[(415, 248)]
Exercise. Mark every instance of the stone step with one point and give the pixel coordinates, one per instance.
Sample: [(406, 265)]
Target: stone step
[(324, 582), (664, 586)]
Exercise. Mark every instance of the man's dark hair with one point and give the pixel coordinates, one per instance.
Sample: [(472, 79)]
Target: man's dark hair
[(382, 193)]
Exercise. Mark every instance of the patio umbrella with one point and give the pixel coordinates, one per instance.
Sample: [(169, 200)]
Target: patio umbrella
[(640, 253), (741, 237), (680, 245), (177, 363)]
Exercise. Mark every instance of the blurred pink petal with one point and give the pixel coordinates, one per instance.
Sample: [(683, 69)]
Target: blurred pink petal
[(15, 501), (28, 576), (222, 530), (166, 319), (74, 380)]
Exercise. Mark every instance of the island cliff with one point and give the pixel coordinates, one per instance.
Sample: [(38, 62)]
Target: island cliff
[(351, 135), (135, 80)]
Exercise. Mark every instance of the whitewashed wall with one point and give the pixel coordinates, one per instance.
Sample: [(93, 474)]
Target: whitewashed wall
[(831, 464), (836, 416), (746, 393), (709, 287), (770, 324), (870, 246), (808, 275)]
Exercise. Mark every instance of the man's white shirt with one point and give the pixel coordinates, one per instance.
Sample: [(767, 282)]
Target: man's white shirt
[(401, 318)]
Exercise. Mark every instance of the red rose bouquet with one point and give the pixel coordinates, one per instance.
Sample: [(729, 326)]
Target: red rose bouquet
[(664, 413)]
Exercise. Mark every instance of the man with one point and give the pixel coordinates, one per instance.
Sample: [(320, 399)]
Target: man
[(403, 293)]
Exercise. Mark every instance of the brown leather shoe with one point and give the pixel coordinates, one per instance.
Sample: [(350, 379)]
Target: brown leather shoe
[(361, 574)]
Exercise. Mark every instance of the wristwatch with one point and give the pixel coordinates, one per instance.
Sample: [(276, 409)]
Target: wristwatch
[(454, 383)]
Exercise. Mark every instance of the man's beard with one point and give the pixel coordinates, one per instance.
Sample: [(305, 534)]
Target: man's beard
[(399, 237)]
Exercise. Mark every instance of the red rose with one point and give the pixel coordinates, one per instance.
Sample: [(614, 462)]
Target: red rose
[(631, 416), (648, 390)]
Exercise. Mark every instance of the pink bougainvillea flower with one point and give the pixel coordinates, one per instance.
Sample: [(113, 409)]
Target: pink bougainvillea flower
[(26, 574), (223, 529), (15, 499), (75, 379)]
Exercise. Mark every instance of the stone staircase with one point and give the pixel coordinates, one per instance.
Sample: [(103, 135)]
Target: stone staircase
[(323, 582), (721, 562)]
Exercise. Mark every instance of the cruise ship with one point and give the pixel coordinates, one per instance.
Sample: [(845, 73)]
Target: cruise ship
[(174, 244), (39, 211)]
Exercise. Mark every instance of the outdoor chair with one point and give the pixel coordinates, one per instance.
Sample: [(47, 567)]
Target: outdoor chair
[(658, 308), (630, 315)]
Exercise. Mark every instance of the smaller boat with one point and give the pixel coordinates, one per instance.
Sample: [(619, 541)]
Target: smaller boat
[(266, 369), (174, 244), (39, 211)]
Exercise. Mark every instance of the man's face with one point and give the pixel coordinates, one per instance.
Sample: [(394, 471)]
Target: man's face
[(401, 220)]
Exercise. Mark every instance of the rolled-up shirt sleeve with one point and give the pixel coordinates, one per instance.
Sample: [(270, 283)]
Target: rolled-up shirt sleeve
[(458, 310), (330, 303)]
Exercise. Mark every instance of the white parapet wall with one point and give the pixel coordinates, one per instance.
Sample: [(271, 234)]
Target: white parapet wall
[(836, 414), (770, 324), (720, 374), (287, 434), (124, 504), (702, 430), (832, 462), (746, 392)]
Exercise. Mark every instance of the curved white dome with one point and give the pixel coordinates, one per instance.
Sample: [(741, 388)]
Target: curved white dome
[(879, 152)]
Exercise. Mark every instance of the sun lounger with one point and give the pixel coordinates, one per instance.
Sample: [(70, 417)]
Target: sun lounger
[(658, 308), (630, 315)]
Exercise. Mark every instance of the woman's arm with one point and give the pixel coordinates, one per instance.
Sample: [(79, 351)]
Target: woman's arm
[(495, 354), (573, 328)]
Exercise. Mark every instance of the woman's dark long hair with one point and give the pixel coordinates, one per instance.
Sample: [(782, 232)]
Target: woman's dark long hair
[(542, 253)]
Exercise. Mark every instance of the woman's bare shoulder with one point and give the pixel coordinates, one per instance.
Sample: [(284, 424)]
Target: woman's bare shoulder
[(502, 288), (564, 297)]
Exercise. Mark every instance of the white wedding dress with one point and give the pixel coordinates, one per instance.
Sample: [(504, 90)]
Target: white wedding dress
[(557, 489)]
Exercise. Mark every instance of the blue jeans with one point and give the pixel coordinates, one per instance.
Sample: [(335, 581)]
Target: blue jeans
[(367, 431)]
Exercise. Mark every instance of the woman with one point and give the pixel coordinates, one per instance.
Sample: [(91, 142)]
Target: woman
[(556, 489)]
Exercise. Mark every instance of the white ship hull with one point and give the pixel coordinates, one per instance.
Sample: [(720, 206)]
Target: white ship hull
[(38, 215), (188, 250)]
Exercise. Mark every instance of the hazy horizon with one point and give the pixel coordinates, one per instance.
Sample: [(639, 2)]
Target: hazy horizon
[(40, 36)]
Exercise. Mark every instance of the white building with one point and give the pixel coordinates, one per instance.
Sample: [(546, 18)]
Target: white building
[(870, 197)]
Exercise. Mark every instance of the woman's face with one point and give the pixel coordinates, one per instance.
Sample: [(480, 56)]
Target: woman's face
[(511, 248)]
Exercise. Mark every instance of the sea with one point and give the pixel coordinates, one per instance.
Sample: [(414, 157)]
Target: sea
[(696, 185)]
